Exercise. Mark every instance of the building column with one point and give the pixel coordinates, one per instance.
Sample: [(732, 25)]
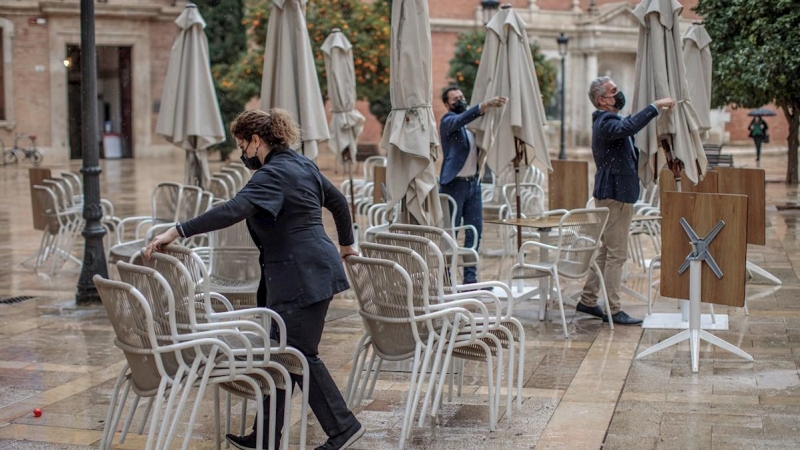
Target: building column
[(584, 123), (576, 6), (532, 5)]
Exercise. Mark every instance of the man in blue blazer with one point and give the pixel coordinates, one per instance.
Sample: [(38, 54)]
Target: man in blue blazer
[(459, 177), (616, 187)]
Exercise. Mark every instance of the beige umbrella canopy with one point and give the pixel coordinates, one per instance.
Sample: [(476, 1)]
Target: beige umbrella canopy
[(697, 58), (189, 115), (346, 122), (290, 76), (507, 69), (660, 73), (410, 136)]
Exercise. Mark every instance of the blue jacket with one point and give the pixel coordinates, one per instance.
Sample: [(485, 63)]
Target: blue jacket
[(455, 144), (282, 204), (615, 156)]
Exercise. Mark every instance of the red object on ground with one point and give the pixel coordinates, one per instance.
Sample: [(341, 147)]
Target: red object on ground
[(37, 412)]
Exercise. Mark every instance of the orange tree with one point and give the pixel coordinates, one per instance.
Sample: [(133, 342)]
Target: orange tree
[(467, 58), (366, 25)]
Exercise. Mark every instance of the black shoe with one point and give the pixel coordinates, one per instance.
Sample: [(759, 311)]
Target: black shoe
[(595, 310), (344, 439), (622, 318), (249, 442)]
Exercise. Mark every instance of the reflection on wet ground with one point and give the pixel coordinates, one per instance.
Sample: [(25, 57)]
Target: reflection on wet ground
[(579, 393)]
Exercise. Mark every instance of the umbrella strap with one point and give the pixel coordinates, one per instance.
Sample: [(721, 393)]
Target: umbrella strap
[(415, 110)]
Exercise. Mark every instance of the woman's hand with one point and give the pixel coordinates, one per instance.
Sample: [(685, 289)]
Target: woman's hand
[(160, 241), (346, 251)]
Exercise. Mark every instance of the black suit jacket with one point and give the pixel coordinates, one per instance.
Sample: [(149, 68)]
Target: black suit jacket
[(615, 156), (282, 204)]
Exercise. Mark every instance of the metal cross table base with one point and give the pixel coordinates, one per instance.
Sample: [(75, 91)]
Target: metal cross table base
[(695, 333)]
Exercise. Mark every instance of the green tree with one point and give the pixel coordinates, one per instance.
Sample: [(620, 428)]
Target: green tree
[(366, 25), (756, 61), (467, 58), (226, 42)]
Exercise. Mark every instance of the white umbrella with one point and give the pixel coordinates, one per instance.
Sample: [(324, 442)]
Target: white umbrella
[(189, 115), (346, 122), (660, 73), (290, 76), (410, 136), (507, 69), (697, 58)]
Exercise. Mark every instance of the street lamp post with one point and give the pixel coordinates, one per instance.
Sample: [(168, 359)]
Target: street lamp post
[(563, 41), (488, 7), (94, 259)]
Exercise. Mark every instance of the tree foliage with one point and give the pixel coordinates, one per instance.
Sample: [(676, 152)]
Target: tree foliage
[(756, 61), (467, 58), (226, 42), (366, 25)]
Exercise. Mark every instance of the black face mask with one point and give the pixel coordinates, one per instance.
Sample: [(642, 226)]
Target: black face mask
[(619, 100), (252, 162), (459, 106)]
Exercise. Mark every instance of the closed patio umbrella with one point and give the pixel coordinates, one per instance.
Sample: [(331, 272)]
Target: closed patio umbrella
[(660, 73), (505, 134), (189, 115), (290, 76), (346, 122), (507, 69), (410, 137), (697, 58)]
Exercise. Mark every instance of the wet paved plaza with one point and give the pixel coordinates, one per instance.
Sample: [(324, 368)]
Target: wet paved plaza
[(583, 393)]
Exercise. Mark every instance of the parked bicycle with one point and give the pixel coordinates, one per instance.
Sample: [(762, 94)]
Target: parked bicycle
[(32, 153)]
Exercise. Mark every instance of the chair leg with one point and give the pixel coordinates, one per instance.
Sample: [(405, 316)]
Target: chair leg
[(217, 428), (605, 293), (131, 413), (375, 378), (243, 425), (426, 360), (409, 414), (108, 431), (146, 415), (349, 392), (560, 303), (363, 382), (434, 370)]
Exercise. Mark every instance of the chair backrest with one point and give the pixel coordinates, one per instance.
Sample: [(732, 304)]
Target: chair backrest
[(237, 177), (446, 244), (579, 233), (159, 296), (233, 255), (531, 199), (219, 187), (411, 262), (449, 213), (75, 180), (244, 171), (385, 294), (370, 164), (59, 187), (430, 253), (533, 175), (165, 201), (132, 319), (48, 201)]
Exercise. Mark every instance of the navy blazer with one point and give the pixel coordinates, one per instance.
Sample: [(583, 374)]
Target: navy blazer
[(455, 144), (615, 156), (283, 203)]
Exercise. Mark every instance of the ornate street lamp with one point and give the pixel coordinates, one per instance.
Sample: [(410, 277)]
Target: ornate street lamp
[(488, 8), (562, 41), (94, 260)]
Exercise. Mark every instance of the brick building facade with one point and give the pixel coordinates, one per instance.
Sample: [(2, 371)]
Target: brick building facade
[(40, 56)]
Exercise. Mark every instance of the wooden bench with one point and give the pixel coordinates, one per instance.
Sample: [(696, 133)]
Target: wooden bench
[(715, 157)]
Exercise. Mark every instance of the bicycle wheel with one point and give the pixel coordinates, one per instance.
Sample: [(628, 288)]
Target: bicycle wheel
[(9, 157), (36, 157)]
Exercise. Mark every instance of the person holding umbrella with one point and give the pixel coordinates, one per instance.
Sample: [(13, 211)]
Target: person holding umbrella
[(759, 132), (616, 187), (459, 176), (301, 268)]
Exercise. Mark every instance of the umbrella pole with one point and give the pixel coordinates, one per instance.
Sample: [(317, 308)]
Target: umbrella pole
[(520, 150), (674, 164), (348, 163)]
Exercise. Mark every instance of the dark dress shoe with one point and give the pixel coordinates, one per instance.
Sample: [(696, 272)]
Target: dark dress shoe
[(595, 310), (250, 441), (344, 439), (622, 318)]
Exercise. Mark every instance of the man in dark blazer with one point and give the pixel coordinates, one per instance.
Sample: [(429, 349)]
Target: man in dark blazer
[(616, 187), (459, 177)]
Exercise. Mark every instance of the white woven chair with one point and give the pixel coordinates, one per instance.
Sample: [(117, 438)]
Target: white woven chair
[(508, 330), (62, 228), (573, 256), (400, 321)]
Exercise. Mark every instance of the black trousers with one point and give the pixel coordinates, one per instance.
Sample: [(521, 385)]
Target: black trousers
[(304, 331)]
